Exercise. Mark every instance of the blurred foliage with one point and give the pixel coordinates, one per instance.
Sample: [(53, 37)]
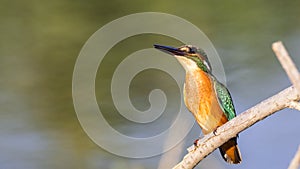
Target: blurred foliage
[(39, 44)]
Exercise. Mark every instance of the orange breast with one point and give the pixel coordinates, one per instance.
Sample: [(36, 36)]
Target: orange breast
[(201, 100)]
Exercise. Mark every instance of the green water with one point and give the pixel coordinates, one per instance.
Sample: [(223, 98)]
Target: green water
[(39, 45)]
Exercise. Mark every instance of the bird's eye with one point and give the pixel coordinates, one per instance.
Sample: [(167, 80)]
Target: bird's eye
[(185, 49), (193, 50)]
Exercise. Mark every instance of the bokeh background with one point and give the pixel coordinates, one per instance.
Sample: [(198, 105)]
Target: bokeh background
[(39, 44)]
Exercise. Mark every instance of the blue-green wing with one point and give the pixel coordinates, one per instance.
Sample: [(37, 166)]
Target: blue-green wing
[(225, 100)]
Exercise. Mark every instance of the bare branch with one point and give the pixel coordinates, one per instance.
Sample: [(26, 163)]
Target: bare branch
[(210, 142), (287, 64), (296, 160)]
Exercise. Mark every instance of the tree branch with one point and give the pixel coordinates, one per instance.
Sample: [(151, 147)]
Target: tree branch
[(287, 64), (296, 160), (283, 99)]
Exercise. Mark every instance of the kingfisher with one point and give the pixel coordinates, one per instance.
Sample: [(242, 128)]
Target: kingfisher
[(204, 96)]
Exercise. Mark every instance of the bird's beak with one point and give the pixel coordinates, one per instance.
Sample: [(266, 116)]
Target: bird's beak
[(170, 50)]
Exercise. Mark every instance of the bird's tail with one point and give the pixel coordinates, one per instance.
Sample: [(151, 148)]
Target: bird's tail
[(230, 152)]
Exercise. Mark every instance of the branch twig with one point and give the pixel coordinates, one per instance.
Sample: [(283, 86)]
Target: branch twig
[(296, 160), (287, 64), (283, 99)]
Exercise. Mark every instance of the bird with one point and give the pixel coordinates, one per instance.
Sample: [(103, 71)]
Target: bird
[(204, 96)]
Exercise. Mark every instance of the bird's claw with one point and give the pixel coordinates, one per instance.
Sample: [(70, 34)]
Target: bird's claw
[(196, 142), (215, 132), (193, 148)]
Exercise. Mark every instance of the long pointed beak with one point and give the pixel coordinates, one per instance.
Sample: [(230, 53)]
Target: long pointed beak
[(169, 50)]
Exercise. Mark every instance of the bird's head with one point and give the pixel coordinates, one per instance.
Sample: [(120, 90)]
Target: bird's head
[(189, 56)]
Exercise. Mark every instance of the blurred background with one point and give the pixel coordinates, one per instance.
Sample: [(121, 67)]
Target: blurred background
[(39, 45)]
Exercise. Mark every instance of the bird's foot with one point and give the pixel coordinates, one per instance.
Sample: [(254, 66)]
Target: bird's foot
[(215, 131), (196, 142), (194, 146)]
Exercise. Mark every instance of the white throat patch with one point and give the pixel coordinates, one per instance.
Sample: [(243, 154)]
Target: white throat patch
[(190, 65), (187, 64)]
